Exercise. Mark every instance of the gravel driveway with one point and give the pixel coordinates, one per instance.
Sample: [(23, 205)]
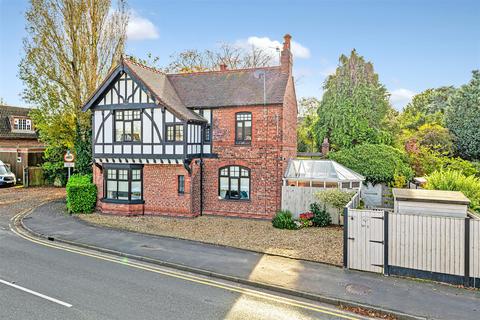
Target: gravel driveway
[(14, 200)]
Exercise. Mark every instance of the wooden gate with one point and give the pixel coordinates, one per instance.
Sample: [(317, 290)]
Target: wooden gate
[(365, 240)]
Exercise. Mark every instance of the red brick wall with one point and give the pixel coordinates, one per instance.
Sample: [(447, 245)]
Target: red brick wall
[(262, 157), (160, 192), (160, 189)]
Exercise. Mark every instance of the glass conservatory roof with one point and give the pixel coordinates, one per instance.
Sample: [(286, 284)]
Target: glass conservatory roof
[(320, 170)]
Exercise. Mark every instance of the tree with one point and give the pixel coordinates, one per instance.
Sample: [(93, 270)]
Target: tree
[(353, 106), (2, 101), (70, 47), (463, 117), (193, 60), (307, 117), (426, 107)]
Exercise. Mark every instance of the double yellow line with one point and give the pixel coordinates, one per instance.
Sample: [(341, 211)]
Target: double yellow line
[(16, 220)]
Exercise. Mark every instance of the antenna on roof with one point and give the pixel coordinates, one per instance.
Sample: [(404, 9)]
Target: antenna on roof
[(262, 74)]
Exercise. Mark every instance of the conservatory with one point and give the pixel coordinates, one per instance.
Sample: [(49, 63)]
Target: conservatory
[(321, 174)]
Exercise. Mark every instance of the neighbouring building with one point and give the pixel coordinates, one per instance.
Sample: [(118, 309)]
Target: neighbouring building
[(212, 143), (19, 145)]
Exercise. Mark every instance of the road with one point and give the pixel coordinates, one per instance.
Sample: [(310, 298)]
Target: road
[(47, 280)]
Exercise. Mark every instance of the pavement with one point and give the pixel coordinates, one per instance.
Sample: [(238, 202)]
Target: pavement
[(306, 279), (42, 279)]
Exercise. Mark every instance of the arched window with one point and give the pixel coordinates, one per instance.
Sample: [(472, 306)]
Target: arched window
[(234, 183), (243, 128)]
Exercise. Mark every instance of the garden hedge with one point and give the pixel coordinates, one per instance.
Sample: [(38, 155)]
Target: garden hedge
[(81, 194), (378, 163)]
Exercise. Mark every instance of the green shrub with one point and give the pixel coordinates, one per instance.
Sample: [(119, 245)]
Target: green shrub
[(376, 162), (335, 197), (284, 220), (456, 181), (321, 218), (81, 194)]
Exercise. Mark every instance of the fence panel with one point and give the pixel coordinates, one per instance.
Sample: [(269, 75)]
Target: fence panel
[(298, 199), (475, 249), (365, 240), (428, 243)]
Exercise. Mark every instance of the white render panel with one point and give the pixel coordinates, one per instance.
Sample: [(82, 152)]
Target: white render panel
[(98, 149), (108, 127), (127, 149), (117, 149), (169, 149), (137, 149), (199, 134), (157, 150), (189, 136), (108, 149), (129, 90), (207, 114), (189, 149), (114, 95), (179, 149), (136, 96), (168, 116), (147, 149), (157, 118), (98, 121), (147, 127), (206, 148)]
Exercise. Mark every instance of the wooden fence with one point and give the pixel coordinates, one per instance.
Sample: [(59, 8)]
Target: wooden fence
[(445, 249), (298, 200)]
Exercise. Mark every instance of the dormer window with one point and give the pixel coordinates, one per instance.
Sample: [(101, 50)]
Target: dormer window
[(22, 124)]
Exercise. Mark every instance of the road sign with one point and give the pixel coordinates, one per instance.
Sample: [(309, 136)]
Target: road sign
[(69, 157), (69, 164)]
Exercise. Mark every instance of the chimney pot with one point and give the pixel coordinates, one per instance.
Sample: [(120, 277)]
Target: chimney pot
[(223, 67), (325, 147), (286, 42)]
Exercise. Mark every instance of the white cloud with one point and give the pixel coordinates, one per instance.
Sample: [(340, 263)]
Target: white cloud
[(270, 46), (328, 71), (140, 28), (401, 97)]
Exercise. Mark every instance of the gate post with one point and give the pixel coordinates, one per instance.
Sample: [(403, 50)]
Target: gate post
[(345, 237), (386, 269), (466, 280)]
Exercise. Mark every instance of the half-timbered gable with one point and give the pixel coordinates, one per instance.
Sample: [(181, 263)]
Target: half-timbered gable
[(136, 120)]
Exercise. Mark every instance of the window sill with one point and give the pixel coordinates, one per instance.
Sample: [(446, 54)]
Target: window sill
[(117, 201), (235, 200), (243, 144)]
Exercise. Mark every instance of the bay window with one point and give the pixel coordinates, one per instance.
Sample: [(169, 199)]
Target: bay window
[(123, 184), (174, 132)]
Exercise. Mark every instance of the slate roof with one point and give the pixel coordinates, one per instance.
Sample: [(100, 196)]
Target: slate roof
[(211, 89), (230, 88), (158, 83), (5, 128)]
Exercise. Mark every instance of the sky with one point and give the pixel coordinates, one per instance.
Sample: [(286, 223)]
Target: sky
[(414, 45)]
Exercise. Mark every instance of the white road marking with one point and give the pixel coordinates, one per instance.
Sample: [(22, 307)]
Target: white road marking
[(68, 305)]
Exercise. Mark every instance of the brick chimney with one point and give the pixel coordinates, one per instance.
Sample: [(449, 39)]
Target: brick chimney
[(223, 67), (325, 147), (286, 60)]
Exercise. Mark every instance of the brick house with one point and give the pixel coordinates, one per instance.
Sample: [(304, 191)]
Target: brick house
[(212, 143), (19, 145)]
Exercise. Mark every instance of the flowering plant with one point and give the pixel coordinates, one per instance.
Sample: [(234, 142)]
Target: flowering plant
[(306, 216)]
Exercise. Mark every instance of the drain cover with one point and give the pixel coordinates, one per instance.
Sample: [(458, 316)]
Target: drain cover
[(358, 289)]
